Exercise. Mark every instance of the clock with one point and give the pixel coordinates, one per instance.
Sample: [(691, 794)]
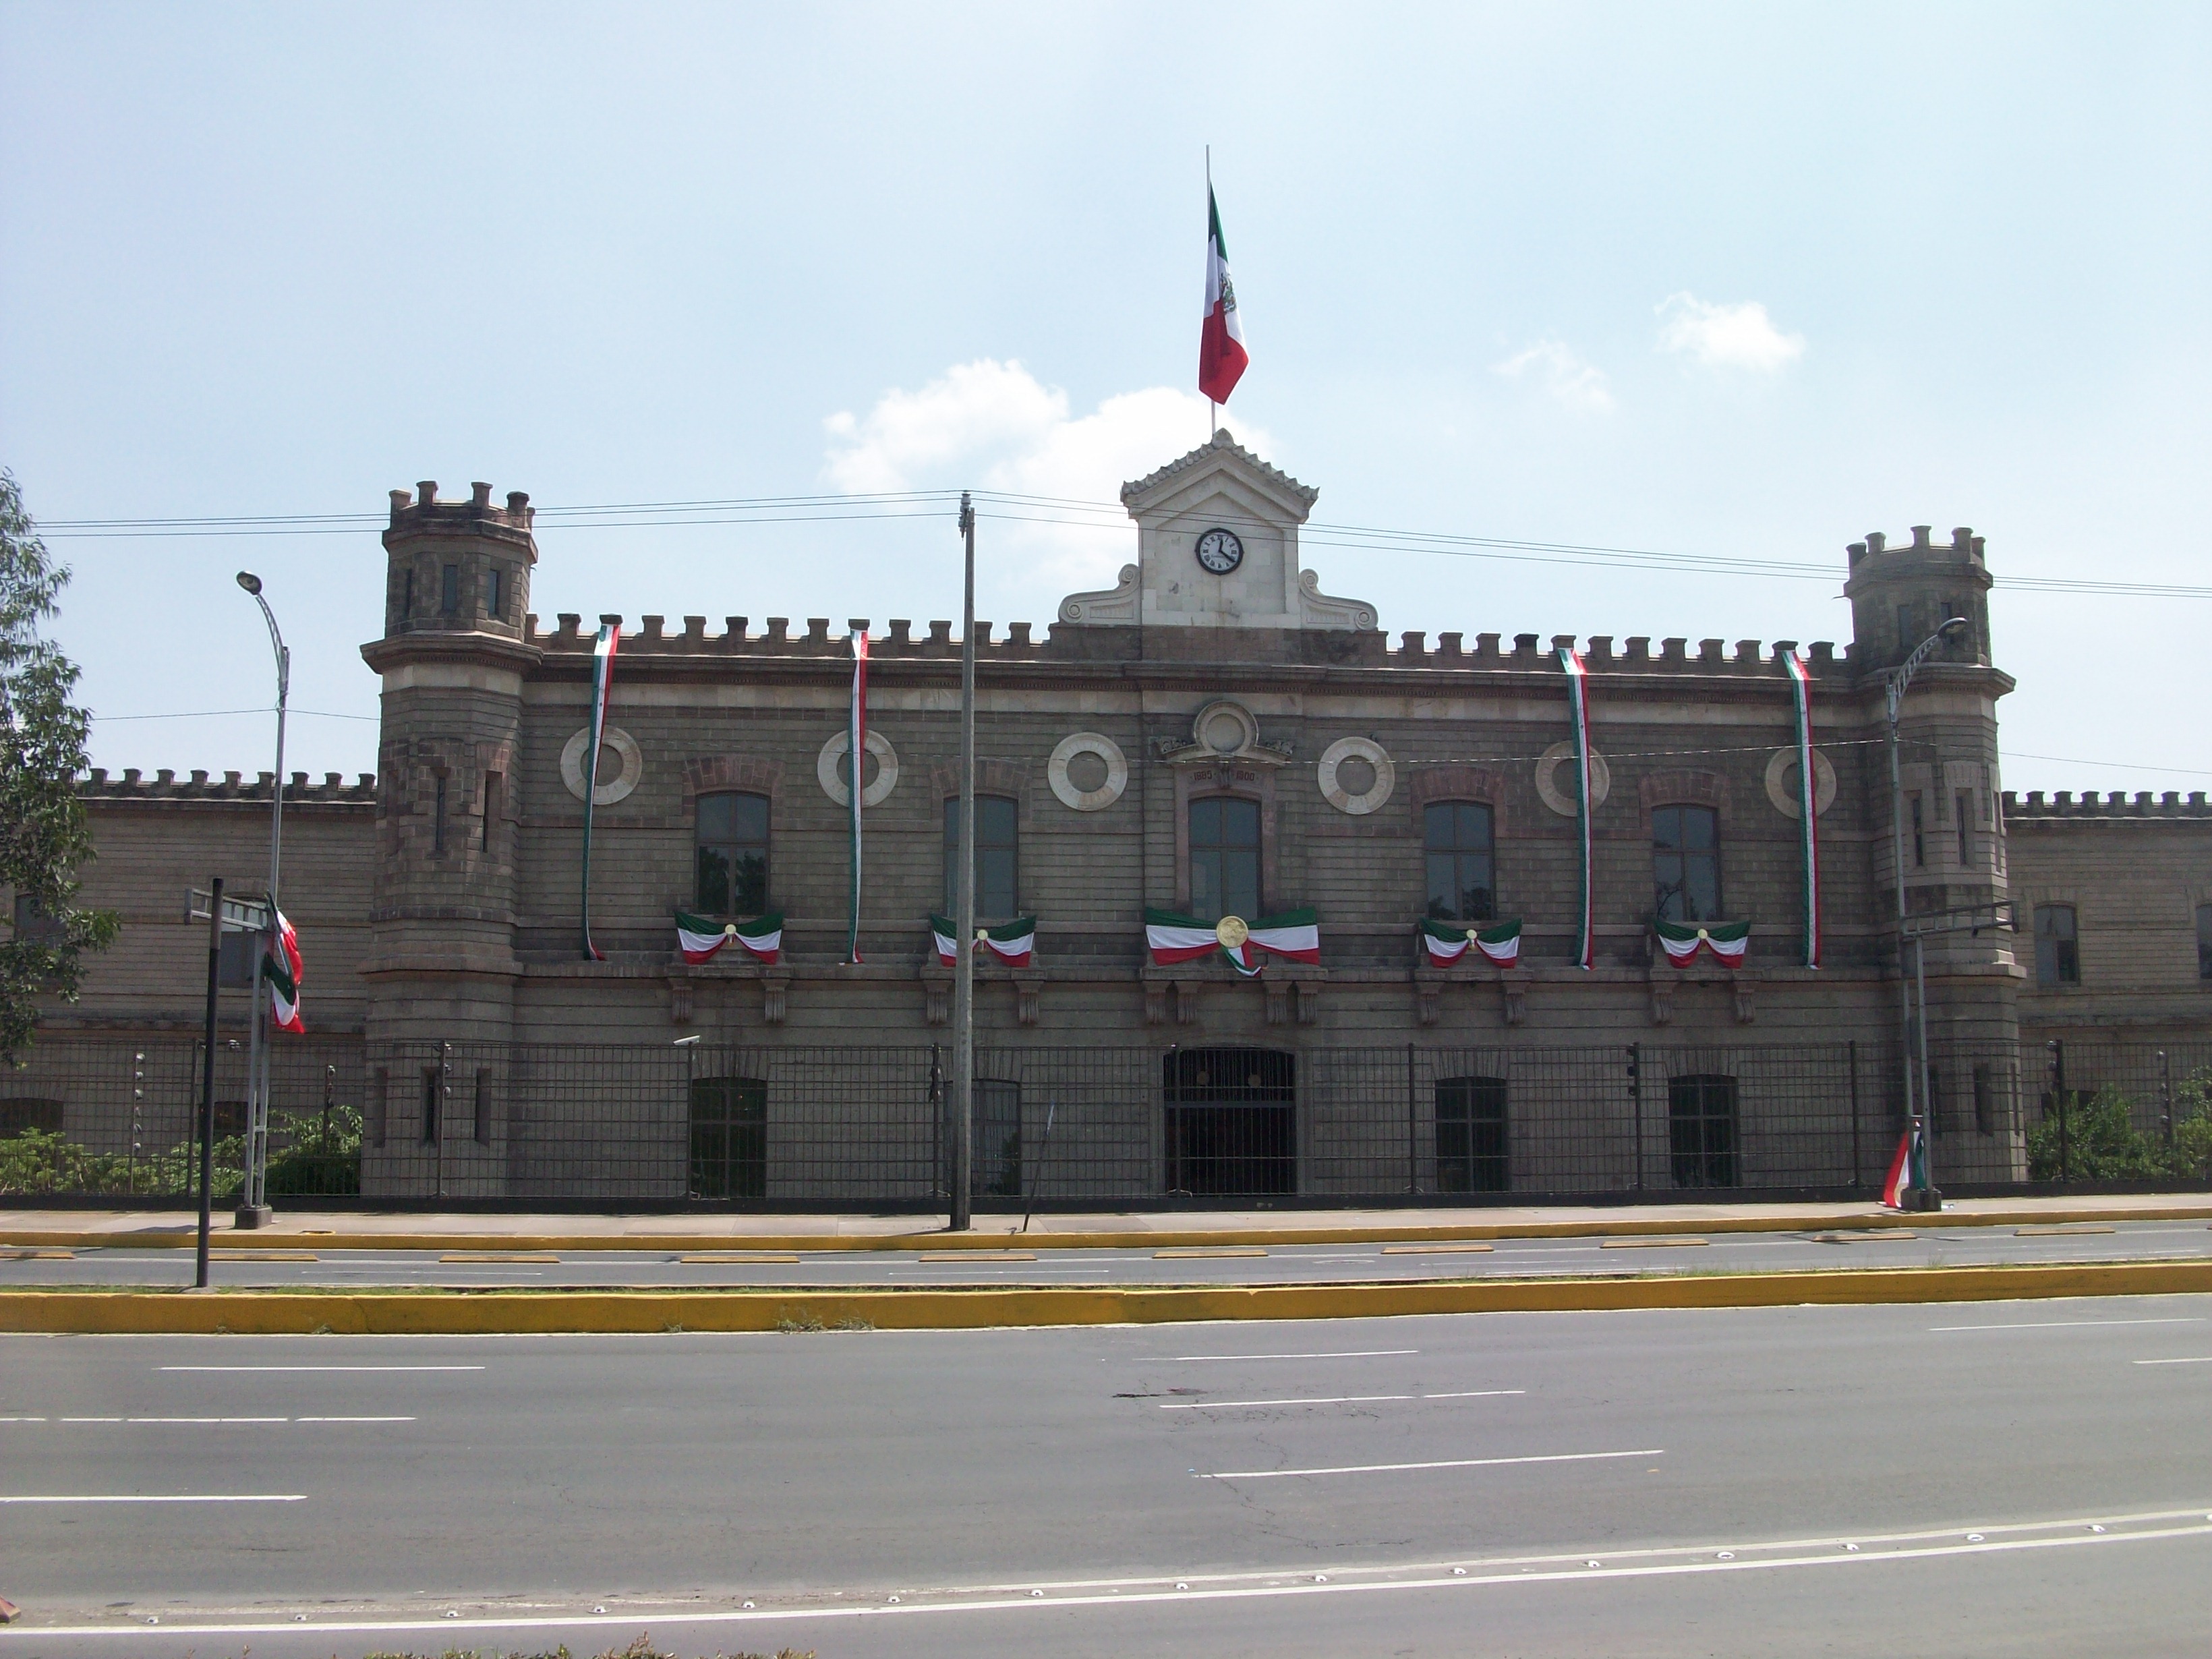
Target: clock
[(1220, 551)]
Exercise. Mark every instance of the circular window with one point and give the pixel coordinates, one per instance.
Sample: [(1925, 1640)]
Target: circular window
[(1356, 775), (1548, 782), (828, 770), (1087, 772), (616, 781)]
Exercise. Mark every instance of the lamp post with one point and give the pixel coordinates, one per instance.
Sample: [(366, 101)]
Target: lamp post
[(253, 1209), (1925, 1197)]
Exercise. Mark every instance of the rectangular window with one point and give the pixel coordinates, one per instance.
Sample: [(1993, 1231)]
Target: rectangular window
[(495, 597), (33, 926), (1919, 837), (2056, 961), (1701, 1130), (1457, 846), (2204, 941), (480, 1121), (494, 788), (407, 595), (729, 1137), (1231, 1121), (997, 897), (438, 818), (1985, 1101), (449, 591), (379, 1107), (1907, 634), (730, 866), (1686, 862), (26, 1112), (1966, 807), (432, 1098), (996, 1169), (1224, 859), (1471, 1140)]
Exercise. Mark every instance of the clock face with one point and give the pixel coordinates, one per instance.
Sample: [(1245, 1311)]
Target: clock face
[(1220, 551)]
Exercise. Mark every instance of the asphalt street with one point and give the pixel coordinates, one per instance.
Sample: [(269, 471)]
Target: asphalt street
[(2007, 1477), (296, 1262)]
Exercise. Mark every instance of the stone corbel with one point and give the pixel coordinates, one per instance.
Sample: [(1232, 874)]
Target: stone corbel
[(1029, 982), (1664, 982), (1741, 985), (1514, 982), (1279, 1000), (775, 998), (679, 999), (1156, 1002), (937, 994), (1308, 991), (1186, 1001), (1428, 987)]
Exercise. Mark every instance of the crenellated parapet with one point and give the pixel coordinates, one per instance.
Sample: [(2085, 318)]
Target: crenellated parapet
[(2114, 806), (199, 786), (1900, 595)]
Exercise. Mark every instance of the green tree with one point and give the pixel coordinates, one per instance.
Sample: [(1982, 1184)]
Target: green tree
[(44, 835)]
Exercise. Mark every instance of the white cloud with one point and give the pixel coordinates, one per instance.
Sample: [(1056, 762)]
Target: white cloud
[(991, 425), (1571, 382), (1727, 337)]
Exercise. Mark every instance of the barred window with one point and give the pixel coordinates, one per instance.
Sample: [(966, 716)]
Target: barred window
[(731, 863), (2057, 960), (998, 896), (1701, 1130), (1686, 862), (1472, 1149), (1458, 847)]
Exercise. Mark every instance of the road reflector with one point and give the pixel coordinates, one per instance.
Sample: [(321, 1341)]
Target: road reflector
[(741, 1258), (1656, 1242), (1437, 1249), (1197, 1252), (2062, 1229), (491, 1256)]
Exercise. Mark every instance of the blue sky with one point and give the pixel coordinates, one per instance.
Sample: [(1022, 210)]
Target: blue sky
[(1736, 280)]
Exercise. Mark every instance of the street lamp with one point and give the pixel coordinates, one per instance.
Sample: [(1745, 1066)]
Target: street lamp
[(253, 1195), (1926, 1197)]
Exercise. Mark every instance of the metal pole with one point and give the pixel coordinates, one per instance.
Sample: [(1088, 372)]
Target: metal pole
[(1933, 1196), (2058, 1099), (1894, 694), (1636, 1105), (963, 966), (2166, 1099), (207, 1077), (1036, 1175), (1854, 1112), (254, 1192), (1412, 1138), (445, 1107)]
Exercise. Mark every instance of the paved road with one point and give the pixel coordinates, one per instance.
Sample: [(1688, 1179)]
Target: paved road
[(1110, 1490), (255, 1264)]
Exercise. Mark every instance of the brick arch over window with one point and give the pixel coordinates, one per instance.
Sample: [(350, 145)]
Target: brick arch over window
[(751, 774), (1486, 784), (993, 777), (1684, 787)]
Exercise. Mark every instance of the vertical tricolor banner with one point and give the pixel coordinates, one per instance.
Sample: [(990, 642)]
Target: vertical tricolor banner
[(1578, 695), (281, 971), (856, 737), (603, 674), (1808, 802), (1221, 355)]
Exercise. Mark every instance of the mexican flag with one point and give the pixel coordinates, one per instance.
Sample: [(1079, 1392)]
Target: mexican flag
[(281, 970), (1294, 935), (1907, 1170), (1500, 942), (1012, 942), (1221, 355), (1727, 940), (700, 938)]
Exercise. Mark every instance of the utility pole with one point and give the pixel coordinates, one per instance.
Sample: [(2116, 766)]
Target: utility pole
[(253, 1192), (963, 965), (207, 1075)]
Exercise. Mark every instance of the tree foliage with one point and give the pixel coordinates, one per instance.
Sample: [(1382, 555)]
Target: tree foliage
[(45, 837)]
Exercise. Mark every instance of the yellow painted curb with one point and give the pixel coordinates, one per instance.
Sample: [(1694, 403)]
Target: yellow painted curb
[(1366, 1232), (260, 1313)]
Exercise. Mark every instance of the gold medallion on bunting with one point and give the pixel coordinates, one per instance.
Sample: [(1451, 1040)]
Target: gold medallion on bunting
[(1230, 932)]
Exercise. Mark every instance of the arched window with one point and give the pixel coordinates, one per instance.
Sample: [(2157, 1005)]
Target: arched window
[(1685, 864), (1456, 840), (1225, 858), (998, 890), (731, 866)]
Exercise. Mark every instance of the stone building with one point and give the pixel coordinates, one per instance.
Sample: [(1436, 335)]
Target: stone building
[(1214, 735)]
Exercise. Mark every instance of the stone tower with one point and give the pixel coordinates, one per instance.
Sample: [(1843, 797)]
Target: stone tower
[(453, 657), (1953, 826)]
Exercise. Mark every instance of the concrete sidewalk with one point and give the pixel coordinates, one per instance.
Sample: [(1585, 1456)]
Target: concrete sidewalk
[(370, 1229)]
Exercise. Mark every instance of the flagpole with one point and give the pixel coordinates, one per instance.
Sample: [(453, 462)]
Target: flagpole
[(964, 903), (1212, 419)]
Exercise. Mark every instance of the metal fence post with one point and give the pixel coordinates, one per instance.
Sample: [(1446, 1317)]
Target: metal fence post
[(2165, 1098), (1412, 1138), (2058, 1098), (445, 1107), (1636, 1105), (1855, 1110)]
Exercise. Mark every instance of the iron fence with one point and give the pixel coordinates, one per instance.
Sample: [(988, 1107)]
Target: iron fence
[(771, 1128)]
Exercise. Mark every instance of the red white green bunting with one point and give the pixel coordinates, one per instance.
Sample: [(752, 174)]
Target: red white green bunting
[(1500, 942), (1295, 935), (856, 732), (603, 674), (1011, 942), (1727, 940), (700, 938), (1908, 1168), (1578, 699), (281, 970), (1801, 700)]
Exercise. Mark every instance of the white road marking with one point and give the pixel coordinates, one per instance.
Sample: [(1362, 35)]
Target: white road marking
[(1474, 1394), (203, 1419), (2060, 1324), (1199, 1358), (355, 1419), (1319, 1400), (322, 1368), (1442, 1463), (210, 1420), (159, 1498), (1672, 1562), (2202, 1359)]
